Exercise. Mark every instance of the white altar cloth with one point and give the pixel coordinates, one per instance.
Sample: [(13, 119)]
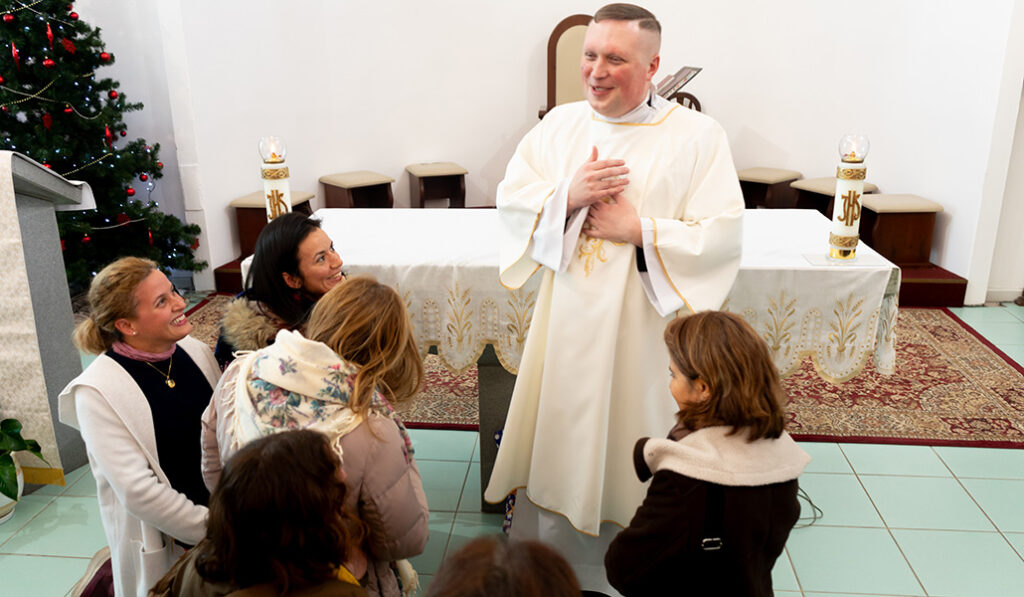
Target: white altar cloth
[(444, 263)]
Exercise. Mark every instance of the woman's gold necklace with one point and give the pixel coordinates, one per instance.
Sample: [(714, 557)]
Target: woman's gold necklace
[(167, 376)]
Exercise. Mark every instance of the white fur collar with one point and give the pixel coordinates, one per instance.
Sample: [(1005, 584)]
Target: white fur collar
[(712, 455)]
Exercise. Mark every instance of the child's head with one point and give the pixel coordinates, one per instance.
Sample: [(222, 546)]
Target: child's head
[(496, 567), (366, 323), (724, 375), (277, 516)]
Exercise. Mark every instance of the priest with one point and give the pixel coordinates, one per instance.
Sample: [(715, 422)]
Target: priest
[(629, 206)]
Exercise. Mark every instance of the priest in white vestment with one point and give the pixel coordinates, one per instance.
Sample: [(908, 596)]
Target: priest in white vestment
[(630, 207)]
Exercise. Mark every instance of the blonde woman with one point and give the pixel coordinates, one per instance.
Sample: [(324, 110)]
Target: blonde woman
[(138, 407), (357, 356)]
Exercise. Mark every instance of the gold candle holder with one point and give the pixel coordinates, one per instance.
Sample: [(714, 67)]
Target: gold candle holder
[(274, 173), (850, 174)]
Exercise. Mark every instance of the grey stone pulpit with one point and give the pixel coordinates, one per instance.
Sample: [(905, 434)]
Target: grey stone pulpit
[(37, 358)]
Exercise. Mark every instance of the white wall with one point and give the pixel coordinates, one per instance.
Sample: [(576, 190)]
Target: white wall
[(1007, 278), (381, 85), (126, 30)]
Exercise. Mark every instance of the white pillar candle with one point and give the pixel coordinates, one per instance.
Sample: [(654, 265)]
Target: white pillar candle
[(846, 210), (276, 190)]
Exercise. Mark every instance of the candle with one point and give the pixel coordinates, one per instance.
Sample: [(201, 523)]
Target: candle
[(274, 173), (850, 175)]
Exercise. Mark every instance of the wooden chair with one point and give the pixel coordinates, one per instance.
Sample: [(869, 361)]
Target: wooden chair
[(565, 47), (686, 100)]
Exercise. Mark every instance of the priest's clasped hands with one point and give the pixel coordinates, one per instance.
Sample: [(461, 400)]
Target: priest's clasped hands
[(598, 184)]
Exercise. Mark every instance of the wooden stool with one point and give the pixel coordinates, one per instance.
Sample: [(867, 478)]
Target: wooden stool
[(818, 193), (437, 180), (899, 227), (251, 216), (768, 187), (361, 188)]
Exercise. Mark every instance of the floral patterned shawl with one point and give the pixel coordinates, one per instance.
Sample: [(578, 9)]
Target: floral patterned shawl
[(296, 383)]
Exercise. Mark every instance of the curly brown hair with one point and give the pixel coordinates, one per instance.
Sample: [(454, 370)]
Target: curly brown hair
[(277, 515)]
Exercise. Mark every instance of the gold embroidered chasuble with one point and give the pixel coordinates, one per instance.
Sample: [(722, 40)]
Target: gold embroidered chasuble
[(593, 377)]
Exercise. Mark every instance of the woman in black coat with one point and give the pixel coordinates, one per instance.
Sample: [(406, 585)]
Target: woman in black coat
[(723, 495)]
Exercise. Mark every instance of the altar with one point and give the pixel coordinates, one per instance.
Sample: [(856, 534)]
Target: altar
[(444, 263)]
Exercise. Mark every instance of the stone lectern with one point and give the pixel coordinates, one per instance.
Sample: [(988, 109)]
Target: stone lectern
[(37, 358)]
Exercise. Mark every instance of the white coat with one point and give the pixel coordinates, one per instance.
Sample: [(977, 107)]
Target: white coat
[(141, 513)]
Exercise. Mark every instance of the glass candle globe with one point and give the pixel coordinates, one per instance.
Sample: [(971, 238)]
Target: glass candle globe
[(854, 148), (272, 149)]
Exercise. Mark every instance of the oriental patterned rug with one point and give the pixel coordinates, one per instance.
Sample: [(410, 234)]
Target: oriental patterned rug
[(951, 388)]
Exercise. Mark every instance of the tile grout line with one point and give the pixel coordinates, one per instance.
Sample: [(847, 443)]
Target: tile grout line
[(884, 522), (458, 503), (53, 498), (975, 501)]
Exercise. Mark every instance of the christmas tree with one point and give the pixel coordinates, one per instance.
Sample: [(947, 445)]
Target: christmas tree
[(55, 110)]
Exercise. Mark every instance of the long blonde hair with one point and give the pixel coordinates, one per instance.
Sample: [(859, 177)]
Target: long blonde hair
[(111, 297), (366, 323)]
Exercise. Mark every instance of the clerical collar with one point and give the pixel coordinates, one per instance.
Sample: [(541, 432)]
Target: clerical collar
[(646, 111)]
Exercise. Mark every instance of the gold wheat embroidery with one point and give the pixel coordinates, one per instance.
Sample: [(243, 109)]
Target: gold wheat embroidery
[(778, 333), (519, 317), (591, 250), (459, 324), (844, 328)]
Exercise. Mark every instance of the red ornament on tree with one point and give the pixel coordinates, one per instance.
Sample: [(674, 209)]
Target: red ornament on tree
[(86, 239), (123, 218), (73, 16), (109, 136), (5, 108), (124, 133), (130, 192), (69, 45), (150, 232), (195, 244), (62, 245), (104, 56), (48, 63), (14, 52), (47, 122), (8, 18), (1, 80), (68, 110), (143, 177), (47, 166), (112, 94), (160, 165), (49, 35)]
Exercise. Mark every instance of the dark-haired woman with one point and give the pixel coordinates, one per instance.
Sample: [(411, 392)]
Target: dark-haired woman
[(294, 264), (724, 492), (138, 407), (277, 526)]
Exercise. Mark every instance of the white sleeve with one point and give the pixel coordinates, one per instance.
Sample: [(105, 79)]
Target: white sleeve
[(656, 284), (554, 239)]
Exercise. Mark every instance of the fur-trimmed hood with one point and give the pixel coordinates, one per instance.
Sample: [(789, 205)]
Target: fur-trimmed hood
[(250, 325), (710, 454)]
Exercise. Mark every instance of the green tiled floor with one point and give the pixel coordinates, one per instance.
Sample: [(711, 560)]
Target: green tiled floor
[(898, 520)]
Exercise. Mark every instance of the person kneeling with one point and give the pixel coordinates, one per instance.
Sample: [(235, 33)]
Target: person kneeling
[(723, 498), (277, 526)]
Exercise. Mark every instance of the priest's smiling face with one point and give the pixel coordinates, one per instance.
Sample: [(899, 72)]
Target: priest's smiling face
[(619, 60)]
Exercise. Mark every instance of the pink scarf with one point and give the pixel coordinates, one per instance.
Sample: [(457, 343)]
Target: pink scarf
[(125, 350)]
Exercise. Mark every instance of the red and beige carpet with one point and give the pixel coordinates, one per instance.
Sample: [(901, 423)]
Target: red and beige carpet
[(951, 388)]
